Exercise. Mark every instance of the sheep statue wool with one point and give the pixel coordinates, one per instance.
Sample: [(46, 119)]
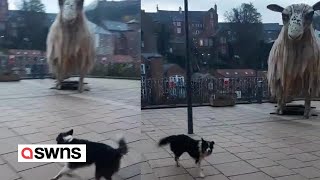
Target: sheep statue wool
[(70, 45), (294, 60)]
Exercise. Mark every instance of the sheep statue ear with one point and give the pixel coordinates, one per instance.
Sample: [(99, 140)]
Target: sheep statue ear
[(275, 7), (316, 6), (61, 2)]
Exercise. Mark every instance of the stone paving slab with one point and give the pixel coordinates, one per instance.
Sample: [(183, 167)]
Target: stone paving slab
[(250, 143), (31, 112)]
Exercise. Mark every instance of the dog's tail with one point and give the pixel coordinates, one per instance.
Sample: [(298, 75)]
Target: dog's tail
[(166, 140), (123, 148)]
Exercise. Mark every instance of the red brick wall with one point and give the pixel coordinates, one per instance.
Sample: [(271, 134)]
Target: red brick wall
[(156, 70), (175, 70), (3, 10), (149, 38)]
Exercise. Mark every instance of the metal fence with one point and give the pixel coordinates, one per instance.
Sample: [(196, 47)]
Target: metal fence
[(165, 92), (37, 67), (24, 66)]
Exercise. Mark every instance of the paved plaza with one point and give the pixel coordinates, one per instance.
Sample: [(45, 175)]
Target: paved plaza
[(31, 112), (251, 144)]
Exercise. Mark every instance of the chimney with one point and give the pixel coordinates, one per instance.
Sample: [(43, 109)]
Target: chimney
[(180, 10), (216, 8), (157, 7)]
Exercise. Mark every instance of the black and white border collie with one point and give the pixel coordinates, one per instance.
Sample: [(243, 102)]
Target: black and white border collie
[(197, 149), (106, 158)]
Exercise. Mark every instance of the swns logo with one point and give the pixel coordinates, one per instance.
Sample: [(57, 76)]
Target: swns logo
[(51, 153)]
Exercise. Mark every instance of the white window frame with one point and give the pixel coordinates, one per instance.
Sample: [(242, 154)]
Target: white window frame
[(179, 30), (143, 69), (201, 43)]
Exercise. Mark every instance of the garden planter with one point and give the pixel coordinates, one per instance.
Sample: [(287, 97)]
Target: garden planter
[(9, 77), (274, 100), (222, 100)]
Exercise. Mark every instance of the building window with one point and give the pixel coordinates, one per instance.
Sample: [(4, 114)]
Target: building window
[(179, 30), (143, 69), (201, 42), (142, 44), (178, 23), (197, 32), (174, 23), (211, 15), (222, 40), (210, 42), (206, 42), (2, 26), (97, 42)]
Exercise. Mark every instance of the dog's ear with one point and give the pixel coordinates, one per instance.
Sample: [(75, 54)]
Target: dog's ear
[(202, 140), (212, 142), (70, 132)]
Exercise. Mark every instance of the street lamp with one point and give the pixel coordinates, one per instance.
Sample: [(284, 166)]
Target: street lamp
[(189, 90)]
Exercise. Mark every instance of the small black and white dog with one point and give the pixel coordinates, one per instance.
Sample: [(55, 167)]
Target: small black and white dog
[(197, 149), (106, 158)]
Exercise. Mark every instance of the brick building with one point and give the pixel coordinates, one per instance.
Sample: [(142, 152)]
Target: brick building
[(3, 19), (203, 27), (104, 40), (271, 31), (125, 29), (148, 34)]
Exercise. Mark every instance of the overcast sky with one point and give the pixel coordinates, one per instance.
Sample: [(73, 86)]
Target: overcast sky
[(223, 6), (51, 5)]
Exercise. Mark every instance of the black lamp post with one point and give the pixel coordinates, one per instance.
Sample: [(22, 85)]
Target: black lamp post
[(188, 67)]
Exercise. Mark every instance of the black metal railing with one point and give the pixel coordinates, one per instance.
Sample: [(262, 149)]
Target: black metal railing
[(165, 92), (25, 67), (37, 67)]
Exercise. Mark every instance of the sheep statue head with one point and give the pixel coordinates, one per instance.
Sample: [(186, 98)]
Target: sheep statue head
[(297, 18), (71, 10)]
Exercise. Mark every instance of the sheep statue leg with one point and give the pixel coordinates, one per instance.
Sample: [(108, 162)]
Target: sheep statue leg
[(59, 78), (281, 106), (307, 105), (281, 100), (59, 84), (81, 85), (82, 75)]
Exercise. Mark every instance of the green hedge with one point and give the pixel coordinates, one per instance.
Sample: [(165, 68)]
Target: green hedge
[(119, 70)]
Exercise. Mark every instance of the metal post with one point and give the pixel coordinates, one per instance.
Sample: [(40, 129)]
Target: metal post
[(259, 93), (189, 90)]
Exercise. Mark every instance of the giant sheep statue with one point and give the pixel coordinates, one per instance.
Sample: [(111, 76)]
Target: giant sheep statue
[(70, 45), (294, 60)]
